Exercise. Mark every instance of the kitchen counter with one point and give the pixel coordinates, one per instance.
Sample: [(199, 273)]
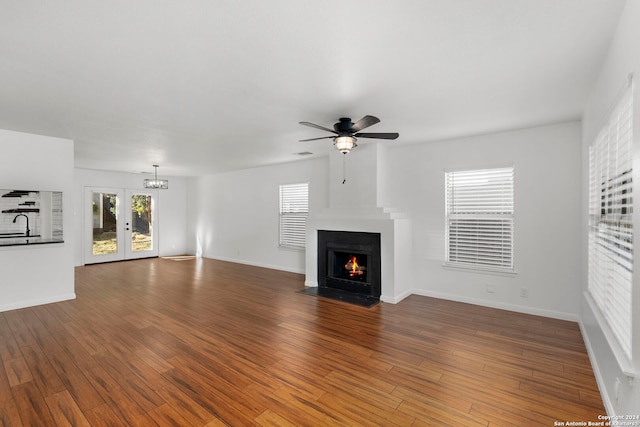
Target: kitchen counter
[(22, 241)]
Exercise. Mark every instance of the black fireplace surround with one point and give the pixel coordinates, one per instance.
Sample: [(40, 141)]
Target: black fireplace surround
[(350, 261)]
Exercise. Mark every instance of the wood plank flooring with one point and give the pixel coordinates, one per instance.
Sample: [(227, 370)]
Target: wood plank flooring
[(209, 343)]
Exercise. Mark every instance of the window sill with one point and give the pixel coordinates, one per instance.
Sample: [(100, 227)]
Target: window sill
[(471, 269)]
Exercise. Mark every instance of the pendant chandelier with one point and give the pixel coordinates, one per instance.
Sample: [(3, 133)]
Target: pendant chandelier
[(156, 183)]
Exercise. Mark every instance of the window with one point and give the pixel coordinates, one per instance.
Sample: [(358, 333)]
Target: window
[(294, 209), (479, 215), (610, 221)]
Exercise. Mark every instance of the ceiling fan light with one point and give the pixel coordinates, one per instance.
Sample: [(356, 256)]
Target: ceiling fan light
[(345, 143)]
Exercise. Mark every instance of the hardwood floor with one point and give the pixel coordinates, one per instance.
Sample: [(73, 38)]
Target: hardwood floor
[(204, 342)]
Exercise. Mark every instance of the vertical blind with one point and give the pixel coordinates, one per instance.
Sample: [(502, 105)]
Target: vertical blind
[(294, 209), (479, 210), (610, 220)]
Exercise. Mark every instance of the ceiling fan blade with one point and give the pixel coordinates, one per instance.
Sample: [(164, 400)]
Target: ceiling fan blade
[(318, 127), (315, 139), (389, 135), (364, 122)]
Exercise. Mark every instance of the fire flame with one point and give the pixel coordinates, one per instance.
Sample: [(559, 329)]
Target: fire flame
[(352, 266)]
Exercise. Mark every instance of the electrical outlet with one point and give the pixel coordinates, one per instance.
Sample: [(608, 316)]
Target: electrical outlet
[(491, 289), (524, 292)]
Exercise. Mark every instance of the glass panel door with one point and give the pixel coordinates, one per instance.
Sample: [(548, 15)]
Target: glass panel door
[(140, 228), (105, 235), (120, 224)]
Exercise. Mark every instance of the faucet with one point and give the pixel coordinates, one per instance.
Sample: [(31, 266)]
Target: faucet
[(14, 221)]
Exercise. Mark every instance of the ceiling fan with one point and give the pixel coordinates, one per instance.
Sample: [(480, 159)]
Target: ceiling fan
[(346, 132)]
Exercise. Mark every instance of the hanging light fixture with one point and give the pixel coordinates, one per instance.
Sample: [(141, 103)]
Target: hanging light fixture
[(156, 183), (345, 143)]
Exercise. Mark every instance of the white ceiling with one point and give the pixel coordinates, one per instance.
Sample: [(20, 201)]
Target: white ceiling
[(203, 86)]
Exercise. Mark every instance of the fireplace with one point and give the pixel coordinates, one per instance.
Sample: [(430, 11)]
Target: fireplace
[(360, 205), (350, 261)]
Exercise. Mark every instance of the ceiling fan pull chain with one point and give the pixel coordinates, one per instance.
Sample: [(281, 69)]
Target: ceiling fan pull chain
[(344, 169)]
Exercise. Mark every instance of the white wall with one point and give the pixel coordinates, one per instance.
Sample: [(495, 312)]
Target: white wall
[(172, 208), (38, 274), (546, 163), (235, 214), (623, 58)]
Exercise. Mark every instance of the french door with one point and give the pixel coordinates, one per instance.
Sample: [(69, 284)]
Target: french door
[(120, 224)]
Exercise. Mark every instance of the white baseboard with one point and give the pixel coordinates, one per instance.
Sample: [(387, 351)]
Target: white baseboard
[(38, 301), (396, 299), (608, 405), (499, 305), (259, 264)]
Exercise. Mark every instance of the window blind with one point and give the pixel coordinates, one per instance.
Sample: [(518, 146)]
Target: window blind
[(479, 211), (294, 209), (610, 220)]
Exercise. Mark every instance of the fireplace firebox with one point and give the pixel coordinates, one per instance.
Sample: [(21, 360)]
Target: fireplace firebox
[(350, 261)]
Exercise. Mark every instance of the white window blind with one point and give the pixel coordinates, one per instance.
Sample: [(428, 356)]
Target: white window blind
[(610, 220), (294, 209), (479, 210)]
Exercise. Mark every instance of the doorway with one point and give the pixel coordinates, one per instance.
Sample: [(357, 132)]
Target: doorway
[(120, 224)]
